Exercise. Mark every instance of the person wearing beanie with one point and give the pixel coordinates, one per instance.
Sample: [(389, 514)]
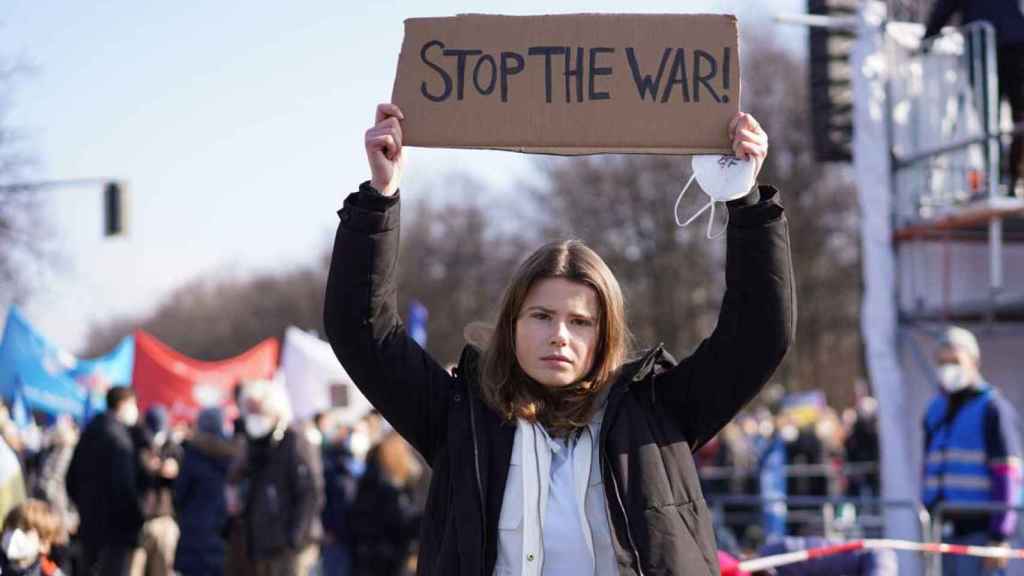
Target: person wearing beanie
[(159, 458), (199, 498)]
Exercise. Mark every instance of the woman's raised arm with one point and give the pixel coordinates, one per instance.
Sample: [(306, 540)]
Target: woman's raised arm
[(409, 388), (757, 320)]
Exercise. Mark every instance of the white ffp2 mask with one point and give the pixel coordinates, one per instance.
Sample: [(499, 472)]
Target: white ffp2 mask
[(723, 178), (258, 425), (21, 547), (952, 378)]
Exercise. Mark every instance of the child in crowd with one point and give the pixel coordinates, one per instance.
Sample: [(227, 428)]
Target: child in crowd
[(30, 532)]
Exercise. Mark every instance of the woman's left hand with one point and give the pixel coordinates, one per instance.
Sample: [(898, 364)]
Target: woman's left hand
[(749, 140)]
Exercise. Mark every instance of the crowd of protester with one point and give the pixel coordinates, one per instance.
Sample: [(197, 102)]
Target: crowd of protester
[(250, 491), (255, 492), (769, 455)]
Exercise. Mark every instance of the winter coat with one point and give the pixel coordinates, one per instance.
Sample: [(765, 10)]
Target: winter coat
[(103, 483), (657, 411), (384, 523), (201, 509), (284, 496), (339, 486), (157, 492)]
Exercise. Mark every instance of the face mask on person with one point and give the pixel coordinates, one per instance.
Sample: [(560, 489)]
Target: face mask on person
[(128, 414), (21, 548), (952, 378), (723, 178), (258, 425), (359, 443)]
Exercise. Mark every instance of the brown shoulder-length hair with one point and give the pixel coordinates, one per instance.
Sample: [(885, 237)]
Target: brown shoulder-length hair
[(513, 394)]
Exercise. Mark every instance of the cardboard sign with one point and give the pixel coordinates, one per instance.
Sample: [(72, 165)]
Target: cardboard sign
[(570, 84)]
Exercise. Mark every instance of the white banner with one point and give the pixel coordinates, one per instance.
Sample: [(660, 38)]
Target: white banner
[(316, 381)]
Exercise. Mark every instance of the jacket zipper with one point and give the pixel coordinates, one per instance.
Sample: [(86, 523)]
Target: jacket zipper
[(625, 516), (479, 482), (607, 469), (615, 484)]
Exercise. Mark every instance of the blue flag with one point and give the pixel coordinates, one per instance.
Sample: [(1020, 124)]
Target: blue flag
[(418, 323), (97, 375), (36, 367)]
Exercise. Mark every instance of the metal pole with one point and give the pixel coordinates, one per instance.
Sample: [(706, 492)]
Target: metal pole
[(47, 184), (926, 526), (991, 103), (819, 21), (995, 249), (936, 562)]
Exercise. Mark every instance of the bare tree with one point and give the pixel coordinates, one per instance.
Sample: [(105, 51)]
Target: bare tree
[(212, 319), (22, 227), (821, 205), (455, 261)]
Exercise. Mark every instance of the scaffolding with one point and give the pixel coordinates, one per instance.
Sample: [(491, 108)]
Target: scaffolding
[(954, 226)]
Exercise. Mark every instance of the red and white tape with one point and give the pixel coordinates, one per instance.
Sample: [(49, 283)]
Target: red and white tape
[(777, 560)]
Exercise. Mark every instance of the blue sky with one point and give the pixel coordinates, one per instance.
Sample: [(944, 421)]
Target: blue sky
[(237, 125)]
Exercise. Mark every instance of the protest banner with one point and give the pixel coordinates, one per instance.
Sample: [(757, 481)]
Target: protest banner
[(316, 381), (570, 84), (164, 376), (36, 369)]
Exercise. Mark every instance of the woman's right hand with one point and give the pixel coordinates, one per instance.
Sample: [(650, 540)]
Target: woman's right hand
[(384, 149)]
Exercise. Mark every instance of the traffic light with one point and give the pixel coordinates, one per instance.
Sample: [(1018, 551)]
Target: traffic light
[(114, 209)]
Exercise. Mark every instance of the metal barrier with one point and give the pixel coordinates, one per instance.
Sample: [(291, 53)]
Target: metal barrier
[(931, 523), (943, 508), (826, 506), (832, 474)]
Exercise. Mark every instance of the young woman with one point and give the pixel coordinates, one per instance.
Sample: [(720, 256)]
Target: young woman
[(552, 454)]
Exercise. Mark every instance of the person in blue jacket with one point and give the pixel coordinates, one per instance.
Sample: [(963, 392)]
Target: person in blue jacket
[(199, 498), (972, 454)]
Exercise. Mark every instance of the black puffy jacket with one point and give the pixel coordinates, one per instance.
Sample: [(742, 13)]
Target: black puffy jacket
[(658, 412)]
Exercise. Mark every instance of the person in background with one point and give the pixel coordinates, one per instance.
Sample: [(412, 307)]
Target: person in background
[(236, 562), (359, 442), (30, 430), (12, 479), (972, 454), (30, 532), (9, 430), (63, 436), (199, 498), (159, 459), (384, 515), (281, 508), (103, 483), (339, 490), (862, 449), (771, 453)]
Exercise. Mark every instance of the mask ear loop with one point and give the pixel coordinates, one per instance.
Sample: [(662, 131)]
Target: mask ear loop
[(698, 213), (711, 221)]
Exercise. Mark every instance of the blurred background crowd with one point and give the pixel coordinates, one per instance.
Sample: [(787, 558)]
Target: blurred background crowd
[(142, 494)]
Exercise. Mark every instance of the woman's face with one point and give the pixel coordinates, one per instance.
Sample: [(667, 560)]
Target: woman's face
[(557, 331)]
